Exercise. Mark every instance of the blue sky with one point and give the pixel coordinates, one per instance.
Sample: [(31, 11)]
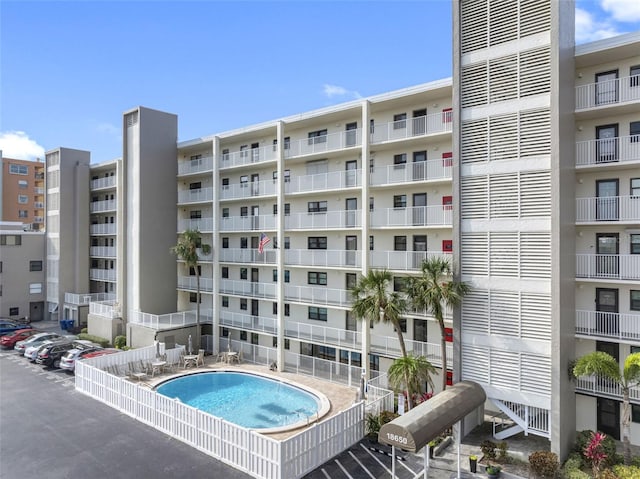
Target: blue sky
[(69, 69)]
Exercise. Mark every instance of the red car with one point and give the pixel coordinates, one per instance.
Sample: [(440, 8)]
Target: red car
[(99, 352), (9, 341)]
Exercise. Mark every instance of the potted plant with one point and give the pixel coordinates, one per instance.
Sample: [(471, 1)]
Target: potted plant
[(372, 427), (473, 463), (493, 471)]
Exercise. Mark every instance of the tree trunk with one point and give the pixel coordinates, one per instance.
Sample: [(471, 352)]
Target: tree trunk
[(443, 347), (409, 402), (197, 309), (403, 348), (626, 426)]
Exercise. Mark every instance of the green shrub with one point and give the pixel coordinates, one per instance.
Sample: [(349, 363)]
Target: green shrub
[(635, 461), (544, 463), (488, 449), (626, 472), (608, 445), (502, 451), (94, 339), (571, 468), (372, 424), (84, 331), (608, 474), (120, 342), (387, 416)]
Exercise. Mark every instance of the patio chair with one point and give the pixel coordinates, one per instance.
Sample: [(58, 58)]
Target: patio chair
[(200, 359)]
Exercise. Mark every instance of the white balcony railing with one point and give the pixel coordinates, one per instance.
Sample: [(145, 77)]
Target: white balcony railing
[(104, 182), (325, 220), (248, 156), (189, 283), (104, 229), (171, 320), (403, 260), (623, 149), (105, 205), (321, 257), (601, 324), (247, 255), (249, 322), (248, 190), (248, 223), (107, 309), (102, 274), (103, 251), (608, 266), (609, 92), (38, 219), (390, 346), (248, 288), (196, 165), (325, 143), (199, 195), (333, 180), (601, 386), (84, 299), (410, 172), (317, 295), (412, 127), (203, 225), (412, 216), (608, 208)]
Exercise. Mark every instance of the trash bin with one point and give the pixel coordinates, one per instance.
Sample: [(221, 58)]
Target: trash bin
[(63, 324)]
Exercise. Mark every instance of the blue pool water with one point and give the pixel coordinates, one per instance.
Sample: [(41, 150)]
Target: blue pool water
[(247, 400)]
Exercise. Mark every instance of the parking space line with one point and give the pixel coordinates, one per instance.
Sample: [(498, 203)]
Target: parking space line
[(343, 469), (325, 473), (403, 464), (362, 465), (378, 460)]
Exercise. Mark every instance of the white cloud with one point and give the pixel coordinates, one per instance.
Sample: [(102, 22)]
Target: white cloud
[(334, 90), (589, 29), (622, 10), (18, 145)]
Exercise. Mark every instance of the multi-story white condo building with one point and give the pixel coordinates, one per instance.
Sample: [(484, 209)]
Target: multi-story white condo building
[(523, 170)]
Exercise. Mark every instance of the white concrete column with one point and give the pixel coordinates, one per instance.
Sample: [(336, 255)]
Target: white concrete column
[(215, 245), (280, 251), (366, 331)]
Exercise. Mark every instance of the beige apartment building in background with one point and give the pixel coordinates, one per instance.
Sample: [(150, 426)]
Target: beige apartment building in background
[(523, 169), (23, 192)]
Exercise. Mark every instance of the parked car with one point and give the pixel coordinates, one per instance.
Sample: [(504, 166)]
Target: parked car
[(7, 326), (9, 341), (31, 353), (51, 354), (68, 360), (102, 352), (22, 345)]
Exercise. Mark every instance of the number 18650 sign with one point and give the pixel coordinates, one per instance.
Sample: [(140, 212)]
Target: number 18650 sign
[(397, 438)]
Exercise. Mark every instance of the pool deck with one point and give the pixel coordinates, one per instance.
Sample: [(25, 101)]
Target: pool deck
[(341, 397)]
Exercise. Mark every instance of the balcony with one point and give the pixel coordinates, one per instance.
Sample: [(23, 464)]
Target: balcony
[(100, 206), (608, 208), (200, 195), (409, 173), (203, 225), (38, 190), (608, 151), (412, 216), (249, 322), (403, 260), (412, 127), (85, 299), (321, 257), (617, 91), (39, 205), (248, 157), (39, 175), (248, 190), (248, 288), (171, 320), (102, 251), (603, 325), (38, 219), (246, 255), (608, 266), (195, 166), (326, 220), (189, 283), (248, 223), (390, 346), (317, 295), (109, 309), (599, 386), (324, 144), (102, 274), (104, 229), (333, 180), (105, 182)]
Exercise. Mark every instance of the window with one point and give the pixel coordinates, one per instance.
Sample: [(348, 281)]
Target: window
[(243, 273), (244, 242), (287, 142), (634, 295), (371, 203), (244, 211), (243, 151), (286, 309), (254, 338), (225, 212), (18, 169), (243, 304), (634, 187), (403, 325), (275, 275), (399, 121), (400, 243), (196, 185), (192, 271), (399, 283), (287, 209), (420, 330), (225, 242), (14, 311), (350, 323), (225, 272), (447, 115), (371, 243), (35, 265), (23, 214), (634, 241), (316, 277), (225, 183), (287, 275), (195, 214), (23, 199), (287, 176), (400, 160), (635, 413), (243, 335), (317, 242), (634, 73), (317, 314), (10, 240), (287, 242), (22, 184), (634, 131), (244, 181), (225, 301), (274, 308), (400, 201), (318, 136), (317, 206), (35, 288), (225, 154), (193, 298)]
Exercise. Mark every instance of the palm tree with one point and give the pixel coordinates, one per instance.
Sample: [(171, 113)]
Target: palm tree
[(433, 291), (601, 364), (187, 250), (372, 300), (409, 373)]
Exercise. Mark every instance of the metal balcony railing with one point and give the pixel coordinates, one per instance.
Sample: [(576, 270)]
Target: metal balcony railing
[(608, 266), (248, 223), (189, 283), (248, 157), (317, 295), (325, 220), (323, 144), (196, 165), (80, 299), (105, 205), (605, 387), (104, 182), (403, 260), (412, 216), (247, 255), (602, 324), (607, 93), (623, 149), (104, 229), (199, 195), (608, 208), (103, 251), (248, 190), (248, 288), (315, 257), (332, 180), (410, 172), (412, 127), (102, 274), (203, 225)]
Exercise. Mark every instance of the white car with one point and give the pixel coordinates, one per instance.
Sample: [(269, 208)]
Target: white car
[(68, 360), (39, 338)]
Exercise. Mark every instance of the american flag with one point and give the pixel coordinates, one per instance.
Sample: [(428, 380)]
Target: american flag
[(264, 240)]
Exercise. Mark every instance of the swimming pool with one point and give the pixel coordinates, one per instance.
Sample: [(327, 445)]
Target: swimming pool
[(248, 400)]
